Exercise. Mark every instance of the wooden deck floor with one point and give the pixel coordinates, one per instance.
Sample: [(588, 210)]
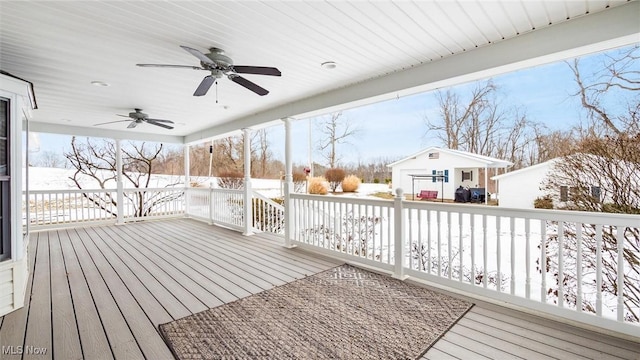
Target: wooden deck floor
[(100, 293)]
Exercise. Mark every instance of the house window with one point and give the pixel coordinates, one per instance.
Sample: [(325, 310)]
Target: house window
[(434, 155), (564, 193), (5, 198), (467, 175), (595, 193), (440, 175)]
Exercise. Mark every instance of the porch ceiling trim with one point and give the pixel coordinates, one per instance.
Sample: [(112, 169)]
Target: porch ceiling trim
[(604, 30), (35, 126)]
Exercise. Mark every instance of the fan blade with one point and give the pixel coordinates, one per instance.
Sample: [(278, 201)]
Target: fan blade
[(153, 122), (248, 84), (258, 70), (160, 120), (198, 54), (111, 122), (204, 86), (132, 125), (171, 66)]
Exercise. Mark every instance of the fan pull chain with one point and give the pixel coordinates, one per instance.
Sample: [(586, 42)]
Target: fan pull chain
[(216, 91)]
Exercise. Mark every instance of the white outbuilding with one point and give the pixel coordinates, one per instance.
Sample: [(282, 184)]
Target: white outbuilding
[(444, 170), (519, 189)]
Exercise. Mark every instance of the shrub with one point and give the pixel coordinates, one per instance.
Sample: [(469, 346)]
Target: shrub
[(387, 181), (299, 181), (334, 177), (318, 185), (231, 180), (350, 183), (376, 181), (544, 202)]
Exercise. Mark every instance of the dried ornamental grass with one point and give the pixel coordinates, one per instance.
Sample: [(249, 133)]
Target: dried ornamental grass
[(318, 185), (351, 183)]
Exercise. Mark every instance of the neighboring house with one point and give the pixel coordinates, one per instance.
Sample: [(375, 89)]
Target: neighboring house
[(518, 189), (443, 170)]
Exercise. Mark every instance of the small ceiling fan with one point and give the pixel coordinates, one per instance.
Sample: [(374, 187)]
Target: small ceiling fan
[(221, 65), (138, 117)]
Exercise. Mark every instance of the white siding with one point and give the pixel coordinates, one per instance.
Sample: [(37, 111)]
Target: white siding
[(422, 165), (6, 290), (521, 189)]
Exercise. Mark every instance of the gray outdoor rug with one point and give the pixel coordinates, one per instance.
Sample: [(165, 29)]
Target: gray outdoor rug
[(341, 313)]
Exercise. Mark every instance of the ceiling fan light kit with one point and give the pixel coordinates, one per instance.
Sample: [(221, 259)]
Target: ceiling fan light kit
[(220, 65)]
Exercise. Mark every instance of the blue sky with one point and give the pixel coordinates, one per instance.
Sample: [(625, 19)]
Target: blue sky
[(396, 128)]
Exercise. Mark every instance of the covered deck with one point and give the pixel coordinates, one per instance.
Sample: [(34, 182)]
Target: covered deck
[(101, 291)]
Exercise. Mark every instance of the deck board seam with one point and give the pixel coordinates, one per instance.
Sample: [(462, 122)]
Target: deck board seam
[(191, 253), (143, 283), (161, 268), (97, 268)]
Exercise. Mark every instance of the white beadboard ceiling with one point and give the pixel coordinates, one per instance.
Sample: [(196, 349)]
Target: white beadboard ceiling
[(383, 49)]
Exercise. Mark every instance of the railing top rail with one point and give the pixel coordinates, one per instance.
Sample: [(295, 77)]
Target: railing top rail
[(541, 214), (72, 191), (344, 200), (267, 200), (228, 191)]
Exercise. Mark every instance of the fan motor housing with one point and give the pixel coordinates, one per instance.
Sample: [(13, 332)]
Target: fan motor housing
[(217, 56)]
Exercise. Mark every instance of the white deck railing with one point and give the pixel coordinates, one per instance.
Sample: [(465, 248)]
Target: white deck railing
[(226, 207), (217, 206), (488, 252), (72, 206), (268, 216), (511, 256)]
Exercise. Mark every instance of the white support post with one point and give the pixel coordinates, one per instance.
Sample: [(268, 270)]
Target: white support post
[(248, 195), (288, 183), (486, 185), (398, 236), (119, 185), (187, 178)]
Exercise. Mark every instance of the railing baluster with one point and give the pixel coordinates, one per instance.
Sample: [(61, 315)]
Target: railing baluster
[(543, 261), (429, 222), (485, 254), (527, 257), (499, 254), (579, 266), (599, 270), (472, 223), (419, 245), (409, 233), (460, 247), (561, 263), (449, 240), (512, 225), (439, 236), (620, 280)]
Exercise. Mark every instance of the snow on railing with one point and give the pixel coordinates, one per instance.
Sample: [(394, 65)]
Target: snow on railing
[(72, 206), (517, 256), (217, 206)]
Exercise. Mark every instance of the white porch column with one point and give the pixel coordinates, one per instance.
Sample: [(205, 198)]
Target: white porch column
[(187, 178), (398, 236), (486, 185), (248, 201), (288, 182), (119, 185)]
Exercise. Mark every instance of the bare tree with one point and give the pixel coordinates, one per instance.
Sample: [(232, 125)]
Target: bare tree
[(95, 160), (601, 174), (599, 92), (50, 159), (334, 131), (482, 125)]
